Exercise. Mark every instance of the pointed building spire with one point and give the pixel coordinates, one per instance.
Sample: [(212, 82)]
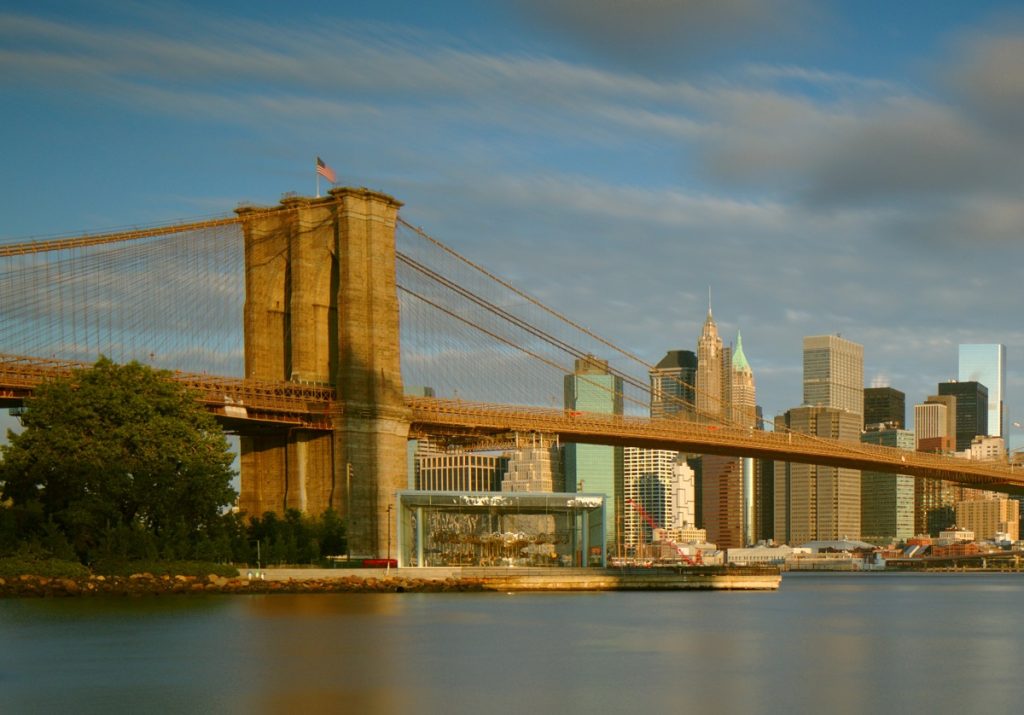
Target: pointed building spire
[(739, 360)]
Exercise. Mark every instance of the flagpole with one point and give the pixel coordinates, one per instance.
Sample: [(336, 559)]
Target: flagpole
[(317, 178)]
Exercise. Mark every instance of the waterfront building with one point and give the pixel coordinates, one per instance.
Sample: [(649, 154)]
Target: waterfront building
[(887, 500), (762, 555), (590, 467), (884, 406), (971, 410), (673, 382), (812, 501), (986, 363), (994, 518), (834, 373)]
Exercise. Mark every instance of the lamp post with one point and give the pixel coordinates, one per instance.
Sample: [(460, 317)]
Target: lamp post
[(388, 569)]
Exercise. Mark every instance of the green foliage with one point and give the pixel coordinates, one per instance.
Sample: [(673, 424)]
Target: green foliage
[(13, 566), (295, 539), (127, 567), (123, 462)]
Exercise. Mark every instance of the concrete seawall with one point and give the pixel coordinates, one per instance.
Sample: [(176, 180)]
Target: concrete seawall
[(547, 579)]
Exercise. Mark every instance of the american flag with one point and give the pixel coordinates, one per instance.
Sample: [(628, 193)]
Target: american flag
[(324, 170)]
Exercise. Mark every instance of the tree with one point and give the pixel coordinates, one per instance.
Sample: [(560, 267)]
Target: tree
[(116, 446)]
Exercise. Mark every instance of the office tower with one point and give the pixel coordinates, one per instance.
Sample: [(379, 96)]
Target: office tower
[(534, 466), (935, 424), (816, 502), (971, 411), (727, 483), (884, 406), (986, 363), (673, 383), (743, 392), (887, 500), (764, 501), (709, 371), (834, 373), (722, 497), (659, 483), (591, 467), (934, 430)]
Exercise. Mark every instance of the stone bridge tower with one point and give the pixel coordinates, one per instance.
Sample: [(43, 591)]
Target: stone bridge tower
[(322, 308)]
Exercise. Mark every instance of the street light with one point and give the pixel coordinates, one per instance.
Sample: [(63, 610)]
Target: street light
[(388, 569)]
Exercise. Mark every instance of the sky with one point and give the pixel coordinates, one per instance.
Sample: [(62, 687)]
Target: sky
[(823, 167)]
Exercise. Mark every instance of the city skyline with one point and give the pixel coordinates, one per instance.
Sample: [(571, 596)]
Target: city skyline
[(818, 188)]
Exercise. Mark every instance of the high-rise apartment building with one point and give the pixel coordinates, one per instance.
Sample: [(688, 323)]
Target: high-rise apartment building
[(673, 382), (660, 483), (816, 502), (986, 363), (591, 467), (885, 406), (971, 411), (834, 373), (887, 500), (990, 518)]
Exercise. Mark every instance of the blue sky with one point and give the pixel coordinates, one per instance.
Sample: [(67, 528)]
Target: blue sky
[(825, 167)]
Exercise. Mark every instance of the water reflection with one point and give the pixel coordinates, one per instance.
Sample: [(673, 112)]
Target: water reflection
[(821, 643)]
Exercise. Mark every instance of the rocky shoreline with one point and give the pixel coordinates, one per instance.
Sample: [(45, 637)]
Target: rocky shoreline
[(146, 584)]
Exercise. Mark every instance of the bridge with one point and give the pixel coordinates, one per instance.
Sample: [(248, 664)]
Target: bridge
[(287, 323)]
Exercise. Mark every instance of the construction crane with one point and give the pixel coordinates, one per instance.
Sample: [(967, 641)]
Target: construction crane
[(697, 561)]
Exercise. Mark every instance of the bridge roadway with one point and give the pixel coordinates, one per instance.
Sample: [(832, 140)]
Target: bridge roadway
[(249, 406)]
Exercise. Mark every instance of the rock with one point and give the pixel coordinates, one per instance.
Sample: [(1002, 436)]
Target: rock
[(69, 585)]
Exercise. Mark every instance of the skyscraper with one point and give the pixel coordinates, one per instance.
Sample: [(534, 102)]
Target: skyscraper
[(591, 467), (709, 371), (971, 410), (673, 383), (743, 391), (887, 500), (986, 363), (834, 373), (815, 502), (661, 484), (885, 406)]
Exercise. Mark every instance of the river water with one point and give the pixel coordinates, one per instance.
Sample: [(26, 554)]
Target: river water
[(838, 643)]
